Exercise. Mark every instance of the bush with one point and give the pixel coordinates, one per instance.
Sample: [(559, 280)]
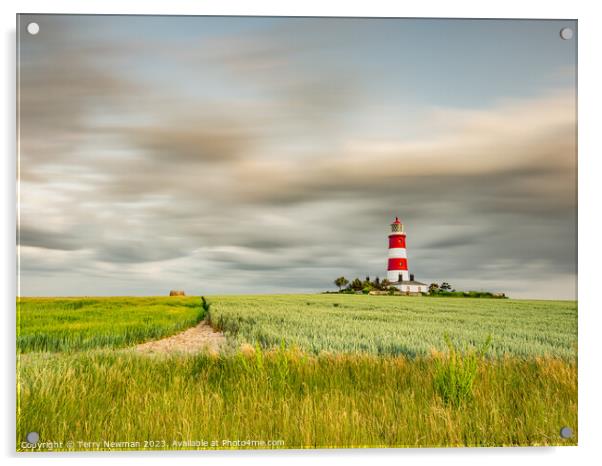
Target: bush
[(455, 374), (205, 308), (466, 294)]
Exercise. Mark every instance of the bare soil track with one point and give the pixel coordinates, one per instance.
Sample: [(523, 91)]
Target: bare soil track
[(194, 340)]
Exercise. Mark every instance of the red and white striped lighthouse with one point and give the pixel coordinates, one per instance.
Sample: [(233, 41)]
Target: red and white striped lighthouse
[(398, 259)]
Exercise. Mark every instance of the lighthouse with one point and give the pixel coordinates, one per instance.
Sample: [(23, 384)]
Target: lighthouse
[(397, 269)]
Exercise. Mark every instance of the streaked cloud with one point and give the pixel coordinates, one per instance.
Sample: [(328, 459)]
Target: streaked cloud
[(257, 162)]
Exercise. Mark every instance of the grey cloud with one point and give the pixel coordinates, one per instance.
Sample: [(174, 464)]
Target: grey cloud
[(265, 244), (279, 194), (455, 241), (136, 251), (36, 237)]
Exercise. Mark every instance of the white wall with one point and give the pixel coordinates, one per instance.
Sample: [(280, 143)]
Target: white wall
[(393, 275), (413, 288)]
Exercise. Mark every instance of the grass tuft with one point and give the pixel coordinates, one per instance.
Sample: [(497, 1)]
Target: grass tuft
[(455, 373)]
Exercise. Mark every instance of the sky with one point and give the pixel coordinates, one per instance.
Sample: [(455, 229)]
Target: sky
[(229, 155)]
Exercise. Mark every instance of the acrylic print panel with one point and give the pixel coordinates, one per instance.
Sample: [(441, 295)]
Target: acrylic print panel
[(264, 232)]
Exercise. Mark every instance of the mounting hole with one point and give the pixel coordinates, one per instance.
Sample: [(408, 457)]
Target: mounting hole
[(566, 432), (566, 33), (33, 28), (33, 437)]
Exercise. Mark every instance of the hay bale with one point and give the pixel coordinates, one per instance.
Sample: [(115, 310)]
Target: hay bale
[(177, 293)]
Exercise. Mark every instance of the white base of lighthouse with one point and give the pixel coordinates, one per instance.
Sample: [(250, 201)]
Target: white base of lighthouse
[(393, 275)]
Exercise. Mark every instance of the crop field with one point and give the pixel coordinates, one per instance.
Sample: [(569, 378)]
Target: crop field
[(64, 324), (302, 371), (391, 325)]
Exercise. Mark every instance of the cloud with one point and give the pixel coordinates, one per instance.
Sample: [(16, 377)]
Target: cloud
[(462, 240), (250, 164), (31, 236), (63, 83)]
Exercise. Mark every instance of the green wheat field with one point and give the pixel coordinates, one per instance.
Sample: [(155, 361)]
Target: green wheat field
[(298, 371)]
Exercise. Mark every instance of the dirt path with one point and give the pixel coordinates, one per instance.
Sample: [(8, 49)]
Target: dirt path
[(195, 339)]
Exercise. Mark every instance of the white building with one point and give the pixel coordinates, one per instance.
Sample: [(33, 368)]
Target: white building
[(411, 287)]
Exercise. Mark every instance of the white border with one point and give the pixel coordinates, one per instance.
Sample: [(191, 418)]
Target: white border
[(590, 390)]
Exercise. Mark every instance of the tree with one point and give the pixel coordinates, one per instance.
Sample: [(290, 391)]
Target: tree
[(445, 286), (385, 284), (341, 282), (377, 283), (433, 288), (357, 285)]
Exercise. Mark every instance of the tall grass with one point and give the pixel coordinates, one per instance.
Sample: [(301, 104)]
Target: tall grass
[(305, 401), (66, 324), (456, 371), (399, 325)]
